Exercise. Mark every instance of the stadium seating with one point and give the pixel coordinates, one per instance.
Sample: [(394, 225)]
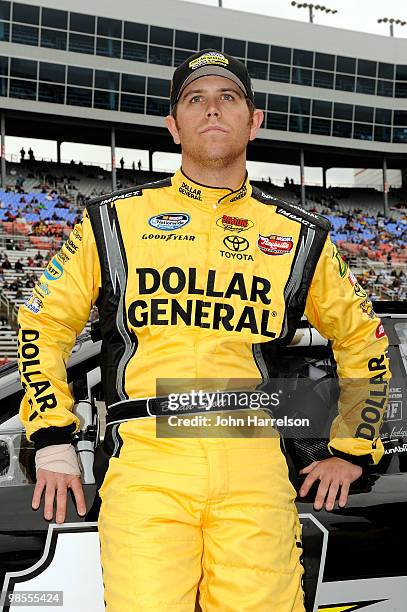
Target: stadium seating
[(43, 200)]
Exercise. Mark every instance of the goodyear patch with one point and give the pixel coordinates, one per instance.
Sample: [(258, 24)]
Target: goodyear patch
[(209, 59)]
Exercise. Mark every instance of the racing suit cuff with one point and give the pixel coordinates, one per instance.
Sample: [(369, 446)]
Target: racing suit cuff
[(48, 436), (362, 461), (58, 458)]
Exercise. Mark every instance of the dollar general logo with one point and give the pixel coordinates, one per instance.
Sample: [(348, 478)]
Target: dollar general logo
[(348, 607), (209, 59)]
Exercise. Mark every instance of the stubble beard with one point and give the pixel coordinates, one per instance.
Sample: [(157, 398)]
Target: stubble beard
[(207, 158)]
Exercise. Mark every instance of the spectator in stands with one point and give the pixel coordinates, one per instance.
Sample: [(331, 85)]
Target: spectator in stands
[(38, 257), (19, 295), (3, 320), (18, 266), (1, 273), (15, 285), (19, 182), (30, 283), (6, 263), (31, 156), (22, 154)]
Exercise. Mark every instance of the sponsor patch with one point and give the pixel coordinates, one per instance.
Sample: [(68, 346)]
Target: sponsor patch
[(352, 278), (191, 192), (342, 265), (291, 215), (43, 287), (122, 196), (63, 258), (168, 237), (54, 270), (275, 245), (240, 194), (234, 224), (209, 59), (267, 196), (169, 222), (380, 333), (34, 304), (359, 291), (76, 235), (367, 307), (236, 243)]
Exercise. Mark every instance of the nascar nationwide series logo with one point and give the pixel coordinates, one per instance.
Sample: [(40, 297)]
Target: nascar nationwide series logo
[(169, 222), (275, 245), (234, 224)]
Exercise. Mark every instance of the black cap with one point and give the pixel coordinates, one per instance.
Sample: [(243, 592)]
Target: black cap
[(210, 62)]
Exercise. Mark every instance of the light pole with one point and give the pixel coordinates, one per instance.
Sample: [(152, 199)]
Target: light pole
[(311, 7), (392, 21)]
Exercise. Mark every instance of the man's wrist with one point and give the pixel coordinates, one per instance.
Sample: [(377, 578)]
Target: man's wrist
[(49, 436), (362, 461), (59, 458)]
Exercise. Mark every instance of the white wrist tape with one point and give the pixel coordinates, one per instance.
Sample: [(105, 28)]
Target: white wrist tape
[(58, 458)]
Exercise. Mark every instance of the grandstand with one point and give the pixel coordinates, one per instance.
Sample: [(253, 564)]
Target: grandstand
[(88, 75)]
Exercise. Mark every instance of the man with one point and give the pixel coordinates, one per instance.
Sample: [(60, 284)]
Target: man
[(191, 276)]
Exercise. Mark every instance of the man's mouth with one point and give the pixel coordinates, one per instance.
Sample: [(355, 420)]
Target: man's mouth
[(213, 128)]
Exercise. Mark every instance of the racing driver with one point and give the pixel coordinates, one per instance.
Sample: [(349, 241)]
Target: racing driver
[(192, 275)]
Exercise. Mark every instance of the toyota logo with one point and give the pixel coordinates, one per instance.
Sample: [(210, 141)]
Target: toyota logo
[(236, 243)]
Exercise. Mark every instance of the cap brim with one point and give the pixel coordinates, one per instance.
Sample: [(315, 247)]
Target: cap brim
[(212, 71)]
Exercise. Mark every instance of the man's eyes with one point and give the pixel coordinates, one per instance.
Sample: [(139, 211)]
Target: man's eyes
[(224, 96)]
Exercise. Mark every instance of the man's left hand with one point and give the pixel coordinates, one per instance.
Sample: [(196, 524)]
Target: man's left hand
[(333, 473)]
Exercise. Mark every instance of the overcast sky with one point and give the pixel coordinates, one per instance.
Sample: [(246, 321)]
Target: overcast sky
[(358, 15)]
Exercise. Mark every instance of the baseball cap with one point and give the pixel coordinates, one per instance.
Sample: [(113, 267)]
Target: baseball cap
[(206, 63)]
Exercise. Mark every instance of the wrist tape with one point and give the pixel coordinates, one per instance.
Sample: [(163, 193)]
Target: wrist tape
[(58, 458)]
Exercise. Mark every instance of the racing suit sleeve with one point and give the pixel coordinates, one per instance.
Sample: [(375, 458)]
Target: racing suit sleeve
[(49, 323), (339, 308)]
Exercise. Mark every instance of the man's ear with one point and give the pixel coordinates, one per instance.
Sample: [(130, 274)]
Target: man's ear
[(257, 120), (172, 128)]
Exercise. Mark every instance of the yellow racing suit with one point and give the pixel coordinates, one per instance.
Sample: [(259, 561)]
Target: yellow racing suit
[(191, 282)]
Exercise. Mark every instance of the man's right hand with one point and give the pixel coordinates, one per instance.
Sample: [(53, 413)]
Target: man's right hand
[(57, 484)]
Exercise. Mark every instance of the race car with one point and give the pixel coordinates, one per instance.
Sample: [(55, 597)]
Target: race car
[(353, 556)]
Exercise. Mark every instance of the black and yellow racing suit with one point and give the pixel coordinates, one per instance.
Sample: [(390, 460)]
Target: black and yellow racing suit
[(190, 281)]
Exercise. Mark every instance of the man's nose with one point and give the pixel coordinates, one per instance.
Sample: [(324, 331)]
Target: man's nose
[(212, 109)]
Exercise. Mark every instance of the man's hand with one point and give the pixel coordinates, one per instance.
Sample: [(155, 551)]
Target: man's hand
[(57, 483), (333, 473)]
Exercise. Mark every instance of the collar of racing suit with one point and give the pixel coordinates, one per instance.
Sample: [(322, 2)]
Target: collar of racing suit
[(204, 196)]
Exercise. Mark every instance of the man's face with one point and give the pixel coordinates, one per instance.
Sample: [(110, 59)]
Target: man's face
[(213, 124)]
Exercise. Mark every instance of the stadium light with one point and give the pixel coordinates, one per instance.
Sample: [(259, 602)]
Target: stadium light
[(392, 21), (311, 7)]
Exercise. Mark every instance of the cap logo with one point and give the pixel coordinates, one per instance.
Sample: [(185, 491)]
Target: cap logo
[(209, 59)]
